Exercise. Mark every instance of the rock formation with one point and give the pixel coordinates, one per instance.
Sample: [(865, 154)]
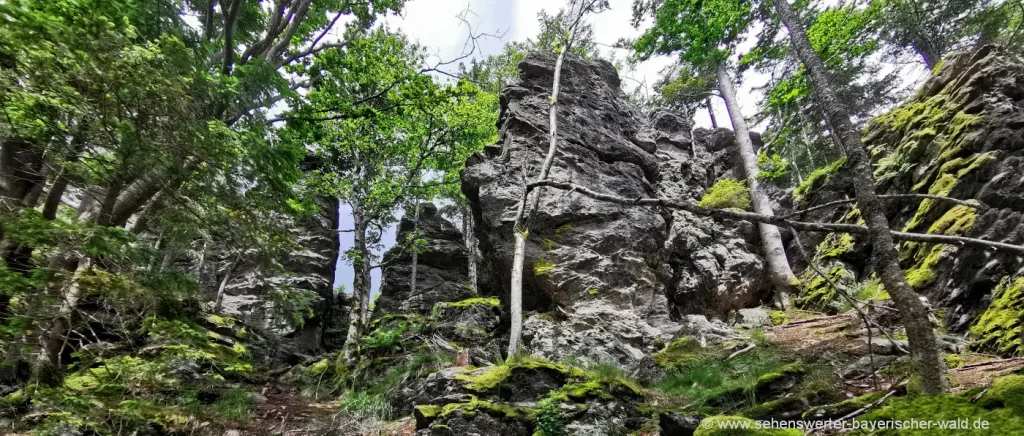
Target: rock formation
[(604, 280), (441, 270), (961, 136)]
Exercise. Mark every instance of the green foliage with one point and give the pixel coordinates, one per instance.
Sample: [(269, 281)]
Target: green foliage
[(727, 194), (703, 33), (772, 166), (548, 416), (368, 405), (235, 404), (710, 380)]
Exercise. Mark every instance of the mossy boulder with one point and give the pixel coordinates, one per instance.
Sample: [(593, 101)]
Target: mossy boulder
[(678, 352), (945, 410), (1006, 392)]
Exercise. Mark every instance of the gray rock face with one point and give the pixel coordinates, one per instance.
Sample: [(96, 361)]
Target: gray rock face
[(441, 272), (308, 269), (610, 277)]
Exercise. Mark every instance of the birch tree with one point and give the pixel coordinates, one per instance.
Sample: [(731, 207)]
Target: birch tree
[(531, 200), (704, 34)]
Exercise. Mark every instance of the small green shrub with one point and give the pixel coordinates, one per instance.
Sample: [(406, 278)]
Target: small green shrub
[(817, 179), (771, 167), (727, 194), (548, 418)]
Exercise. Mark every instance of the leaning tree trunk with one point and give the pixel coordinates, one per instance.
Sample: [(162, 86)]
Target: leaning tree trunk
[(711, 113), (771, 240), (219, 301), (923, 345), (360, 285)]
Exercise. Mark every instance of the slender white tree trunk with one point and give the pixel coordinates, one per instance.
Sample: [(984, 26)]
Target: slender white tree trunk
[(360, 285), (53, 335), (521, 227), (470, 240), (775, 253)]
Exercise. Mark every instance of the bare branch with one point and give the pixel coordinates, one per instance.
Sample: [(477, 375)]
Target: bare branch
[(972, 203), (959, 241)]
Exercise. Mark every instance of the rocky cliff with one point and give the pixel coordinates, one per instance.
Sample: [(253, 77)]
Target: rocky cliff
[(961, 136)]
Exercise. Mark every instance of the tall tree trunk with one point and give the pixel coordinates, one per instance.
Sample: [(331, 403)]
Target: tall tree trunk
[(360, 284), (927, 53), (923, 345), (53, 335), (202, 263), (53, 198), (224, 284), (415, 250), (711, 113), (771, 240), (470, 240)]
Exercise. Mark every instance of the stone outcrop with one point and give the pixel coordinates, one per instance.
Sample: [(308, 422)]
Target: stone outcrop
[(604, 280), (441, 270), (961, 136), (308, 269)]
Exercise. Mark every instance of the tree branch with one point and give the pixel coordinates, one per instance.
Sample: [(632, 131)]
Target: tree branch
[(778, 221), (975, 204)]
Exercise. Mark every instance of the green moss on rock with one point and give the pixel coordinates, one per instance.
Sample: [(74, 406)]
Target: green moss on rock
[(1007, 391), (943, 408), (1001, 326), (727, 194), (679, 351), (817, 179), (483, 301), (543, 267), (474, 405)]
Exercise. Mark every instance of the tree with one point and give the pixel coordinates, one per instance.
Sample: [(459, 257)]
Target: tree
[(531, 200), (150, 119), (931, 29), (381, 125), (847, 36), (704, 33), (923, 344), (495, 72)]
